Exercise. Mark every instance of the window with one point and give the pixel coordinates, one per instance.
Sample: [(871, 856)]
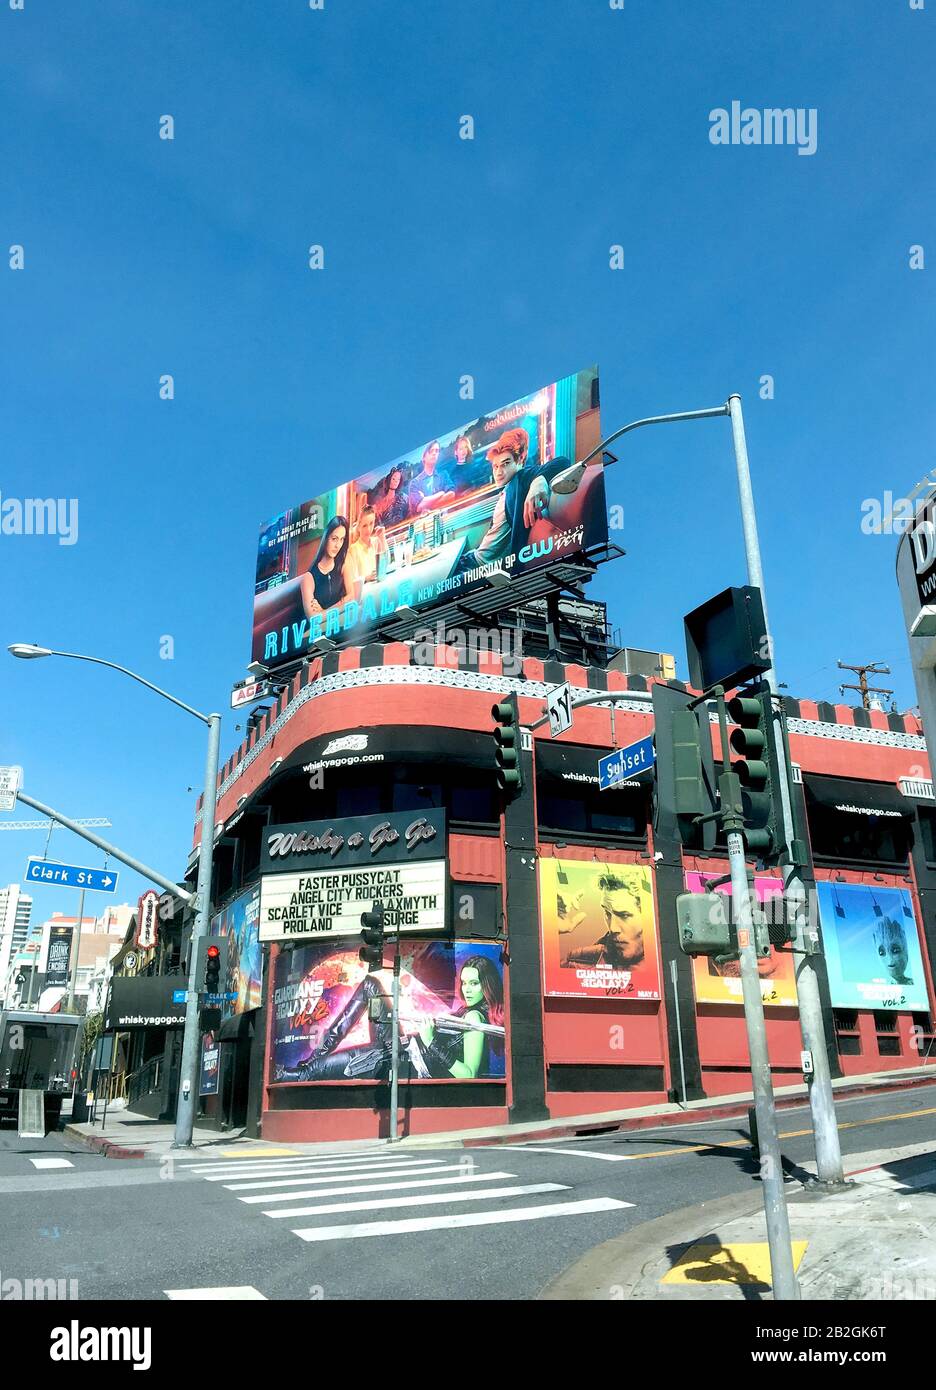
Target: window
[(586, 811), (926, 819), (845, 837)]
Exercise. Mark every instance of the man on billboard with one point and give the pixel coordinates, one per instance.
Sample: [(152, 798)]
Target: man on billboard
[(622, 945), (430, 488), (524, 498)]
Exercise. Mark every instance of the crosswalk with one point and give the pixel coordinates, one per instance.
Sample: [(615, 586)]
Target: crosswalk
[(387, 1185)]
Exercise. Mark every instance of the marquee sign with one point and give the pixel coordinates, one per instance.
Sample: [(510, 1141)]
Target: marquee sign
[(328, 902)]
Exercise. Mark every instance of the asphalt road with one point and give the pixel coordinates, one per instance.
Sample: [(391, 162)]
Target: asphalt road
[(498, 1222)]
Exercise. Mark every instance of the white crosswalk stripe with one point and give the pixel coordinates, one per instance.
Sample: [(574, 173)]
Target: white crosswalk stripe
[(358, 1165), (383, 1183)]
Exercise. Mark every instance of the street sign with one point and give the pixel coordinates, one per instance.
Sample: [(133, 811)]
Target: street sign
[(559, 709), (212, 999), (178, 996), (624, 763), (11, 779), (71, 876)]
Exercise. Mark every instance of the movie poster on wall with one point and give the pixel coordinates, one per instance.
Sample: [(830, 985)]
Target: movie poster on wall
[(332, 1021), (599, 930), (239, 922), (500, 492), (720, 982), (872, 947)]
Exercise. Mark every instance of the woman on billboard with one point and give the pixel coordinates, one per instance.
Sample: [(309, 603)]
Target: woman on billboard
[(461, 1043), (325, 585), (389, 499)]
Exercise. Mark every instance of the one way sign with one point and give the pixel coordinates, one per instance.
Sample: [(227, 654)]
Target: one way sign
[(71, 876)]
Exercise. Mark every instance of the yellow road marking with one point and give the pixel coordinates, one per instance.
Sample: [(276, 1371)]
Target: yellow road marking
[(788, 1134), (741, 1263)]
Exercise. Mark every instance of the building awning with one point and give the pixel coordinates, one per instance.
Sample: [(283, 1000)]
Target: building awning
[(237, 1026), (394, 744), (858, 798)]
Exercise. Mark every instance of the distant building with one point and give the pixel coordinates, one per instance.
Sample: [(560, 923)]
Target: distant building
[(15, 910)]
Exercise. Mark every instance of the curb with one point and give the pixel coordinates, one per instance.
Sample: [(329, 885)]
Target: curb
[(105, 1146), (618, 1265), (700, 1115)]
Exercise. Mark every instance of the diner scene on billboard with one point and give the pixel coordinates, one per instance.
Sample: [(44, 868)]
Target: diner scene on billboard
[(719, 981), (872, 947), (239, 922), (599, 930), (332, 1017), (501, 492)]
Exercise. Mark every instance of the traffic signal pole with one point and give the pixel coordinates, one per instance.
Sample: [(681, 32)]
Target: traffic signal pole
[(395, 1043), (805, 934)]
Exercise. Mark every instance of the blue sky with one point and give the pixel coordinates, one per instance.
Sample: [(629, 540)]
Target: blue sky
[(442, 257)]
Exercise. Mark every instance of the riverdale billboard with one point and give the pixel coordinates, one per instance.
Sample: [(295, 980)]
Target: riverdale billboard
[(500, 492)]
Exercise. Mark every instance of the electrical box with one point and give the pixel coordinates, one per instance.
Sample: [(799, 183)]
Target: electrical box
[(704, 923)]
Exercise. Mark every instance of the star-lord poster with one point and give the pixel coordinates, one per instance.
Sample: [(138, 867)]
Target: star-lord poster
[(332, 1018), (599, 930), (721, 983)]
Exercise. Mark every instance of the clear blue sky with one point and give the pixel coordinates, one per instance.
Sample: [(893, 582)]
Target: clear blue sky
[(443, 257)]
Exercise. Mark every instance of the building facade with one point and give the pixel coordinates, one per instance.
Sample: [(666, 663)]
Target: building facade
[(15, 911), (559, 908)]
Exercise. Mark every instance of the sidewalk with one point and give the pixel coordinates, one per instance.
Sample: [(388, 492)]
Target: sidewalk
[(873, 1240), (128, 1135)]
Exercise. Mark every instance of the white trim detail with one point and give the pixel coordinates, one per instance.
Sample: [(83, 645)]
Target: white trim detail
[(638, 702), (917, 788)]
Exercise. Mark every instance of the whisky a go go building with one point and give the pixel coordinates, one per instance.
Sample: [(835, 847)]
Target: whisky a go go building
[(540, 971)]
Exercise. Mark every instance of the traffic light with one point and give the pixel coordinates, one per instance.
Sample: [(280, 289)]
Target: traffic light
[(371, 953), (213, 970), (211, 964), (506, 716), (684, 786), (759, 771)]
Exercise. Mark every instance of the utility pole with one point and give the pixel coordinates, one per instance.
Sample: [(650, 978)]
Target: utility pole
[(805, 939), (875, 668), (73, 972)]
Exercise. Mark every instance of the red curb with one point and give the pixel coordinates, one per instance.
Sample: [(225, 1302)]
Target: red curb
[(104, 1146), (713, 1112)]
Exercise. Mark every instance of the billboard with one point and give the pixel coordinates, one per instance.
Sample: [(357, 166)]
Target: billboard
[(332, 1021), (599, 930), (59, 956), (720, 983), (210, 1065), (872, 947), (499, 492), (239, 922)]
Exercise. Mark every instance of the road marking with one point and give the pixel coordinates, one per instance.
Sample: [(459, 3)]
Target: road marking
[(747, 1263), (225, 1293), (311, 1165), (348, 1188), (454, 1222), (787, 1134), (423, 1199), (52, 1163), (216, 1165), (572, 1153), (335, 1174), (259, 1153)]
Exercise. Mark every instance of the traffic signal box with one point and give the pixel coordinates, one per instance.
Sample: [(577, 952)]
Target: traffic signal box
[(372, 935), (211, 964), (707, 927), (506, 716), (758, 770), (684, 799)]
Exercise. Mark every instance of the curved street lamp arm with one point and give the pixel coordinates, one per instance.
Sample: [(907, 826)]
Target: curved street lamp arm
[(99, 661)]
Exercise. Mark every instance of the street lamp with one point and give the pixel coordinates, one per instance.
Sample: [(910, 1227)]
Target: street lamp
[(188, 1072)]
